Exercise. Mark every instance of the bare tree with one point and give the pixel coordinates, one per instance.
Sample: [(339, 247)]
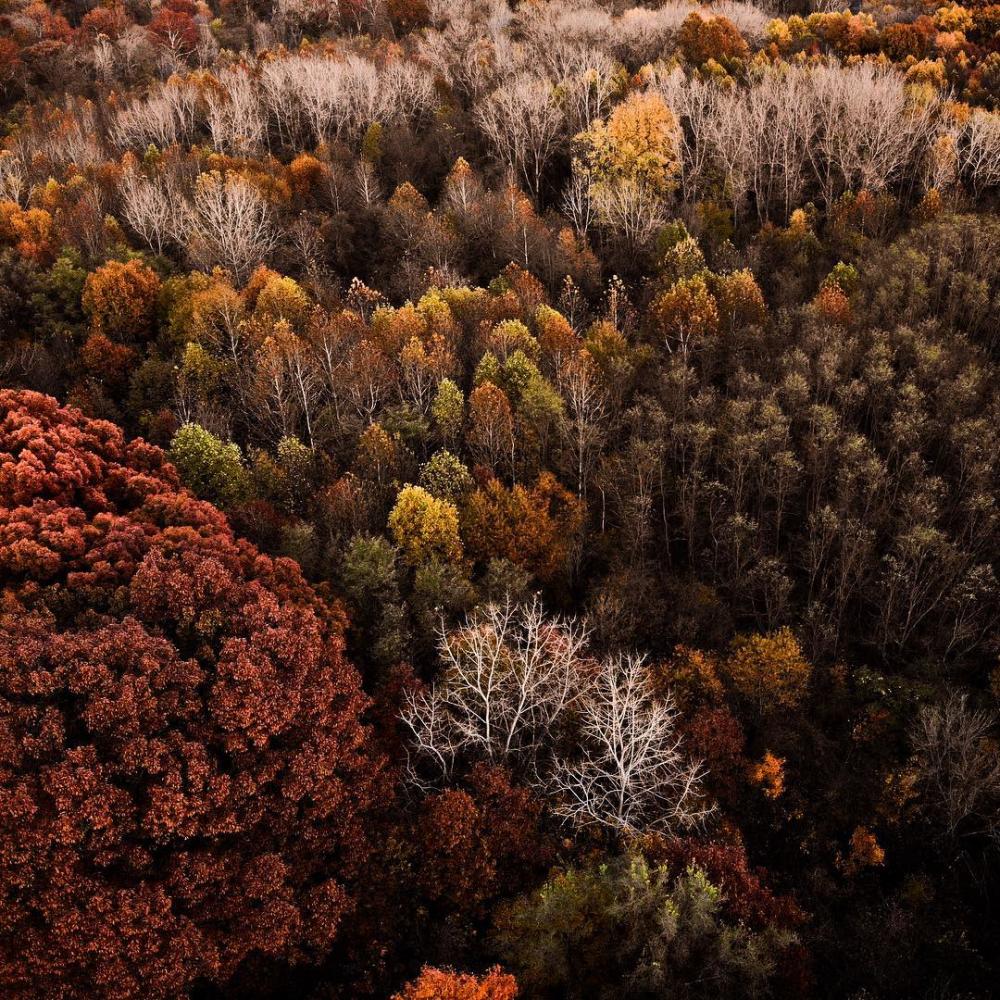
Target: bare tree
[(288, 384), (150, 207), (578, 198), (631, 772), (102, 58), (435, 740), (170, 114), (979, 151), (827, 128), (587, 79), (586, 409), (12, 184), (467, 46), (867, 128), (507, 676), (959, 766), (640, 35), (228, 224), (235, 113), (632, 210), (134, 52), (338, 99), (525, 123)]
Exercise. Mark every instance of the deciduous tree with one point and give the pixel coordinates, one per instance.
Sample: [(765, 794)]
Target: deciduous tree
[(182, 760)]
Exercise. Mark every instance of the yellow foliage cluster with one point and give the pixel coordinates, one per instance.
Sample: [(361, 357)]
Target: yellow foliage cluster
[(769, 670), (424, 527), (638, 143)]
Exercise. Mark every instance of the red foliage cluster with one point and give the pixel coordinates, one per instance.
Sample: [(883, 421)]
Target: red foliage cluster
[(475, 845), (746, 896), (183, 772), (715, 735)]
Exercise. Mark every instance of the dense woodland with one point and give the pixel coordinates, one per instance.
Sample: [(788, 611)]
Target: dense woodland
[(499, 500)]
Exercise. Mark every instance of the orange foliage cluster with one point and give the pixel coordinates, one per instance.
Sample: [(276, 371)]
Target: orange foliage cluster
[(440, 984)]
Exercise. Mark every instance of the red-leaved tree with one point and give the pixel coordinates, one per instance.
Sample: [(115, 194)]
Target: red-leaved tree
[(184, 777)]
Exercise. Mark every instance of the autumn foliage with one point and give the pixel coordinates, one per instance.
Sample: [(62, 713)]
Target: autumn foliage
[(440, 984), (183, 773), (572, 566)]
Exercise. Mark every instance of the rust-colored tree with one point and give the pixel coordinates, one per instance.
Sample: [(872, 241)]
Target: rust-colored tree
[(120, 299), (183, 774), (534, 527)]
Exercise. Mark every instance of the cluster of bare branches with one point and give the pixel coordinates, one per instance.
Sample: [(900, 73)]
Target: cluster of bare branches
[(630, 771), (517, 686), (524, 122), (224, 221), (506, 678), (298, 99), (958, 765), (798, 132), (978, 151)]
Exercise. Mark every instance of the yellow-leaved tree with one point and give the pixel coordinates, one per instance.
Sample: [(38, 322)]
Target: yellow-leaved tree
[(638, 143), (425, 527), (627, 167), (770, 671)]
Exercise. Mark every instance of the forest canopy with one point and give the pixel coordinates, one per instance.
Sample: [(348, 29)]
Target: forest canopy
[(498, 498)]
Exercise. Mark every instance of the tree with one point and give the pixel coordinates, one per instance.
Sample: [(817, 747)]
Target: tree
[(281, 298), (448, 411), (453, 866), (702, 39), (685, 315), (228, 224), (120, 299), (631, 772), (175, 31), (536, 527), (523, 121), (769, 670), (184, 769), (211, 468), (440, 984), (639, 142), (507, 676), (445, 477), (738, 299), (958, 768), (491, 426), (425, 527), (629, 164)]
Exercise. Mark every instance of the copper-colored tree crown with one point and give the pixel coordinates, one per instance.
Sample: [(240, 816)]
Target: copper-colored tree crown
[(183, 772)]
